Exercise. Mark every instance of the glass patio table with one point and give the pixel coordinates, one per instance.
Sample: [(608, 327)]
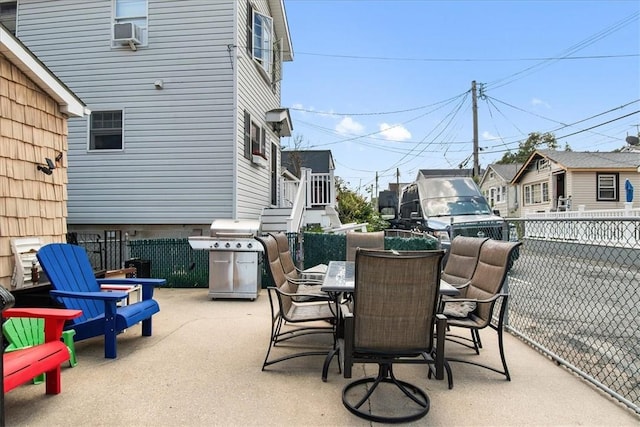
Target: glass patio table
[(340, 278)]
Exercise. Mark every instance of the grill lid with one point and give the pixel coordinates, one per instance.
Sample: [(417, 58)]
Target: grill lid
[(234, 228)]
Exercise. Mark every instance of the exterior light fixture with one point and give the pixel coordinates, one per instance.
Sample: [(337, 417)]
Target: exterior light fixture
[(50, 166)]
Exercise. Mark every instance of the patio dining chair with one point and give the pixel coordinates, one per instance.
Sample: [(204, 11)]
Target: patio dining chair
[(483, 292), (392, 321), (294, 314), (364, 240), (316, 272), (462, 259)]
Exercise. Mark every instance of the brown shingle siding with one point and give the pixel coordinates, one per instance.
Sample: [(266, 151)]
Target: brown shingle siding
[(31, 129)]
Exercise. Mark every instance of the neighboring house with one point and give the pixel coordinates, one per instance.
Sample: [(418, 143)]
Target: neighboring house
[(185, 95), (34, 108), (567, 180), (319, 161), (495, 185)]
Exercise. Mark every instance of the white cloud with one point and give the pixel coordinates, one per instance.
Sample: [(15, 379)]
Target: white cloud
[(394, 132), (488, 136), (535, 102), (349, 126)]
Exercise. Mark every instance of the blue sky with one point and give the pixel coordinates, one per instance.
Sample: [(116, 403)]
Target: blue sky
[(385, 84)]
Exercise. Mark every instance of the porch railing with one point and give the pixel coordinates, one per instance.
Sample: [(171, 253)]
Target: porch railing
[(320, 189)]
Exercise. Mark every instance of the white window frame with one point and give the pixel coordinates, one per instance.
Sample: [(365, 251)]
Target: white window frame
[(536, 193), (140, 19), (258, 140), (607, 182), (262, 45), (92, 133)]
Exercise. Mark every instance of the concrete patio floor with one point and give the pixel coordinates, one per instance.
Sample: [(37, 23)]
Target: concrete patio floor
[(202, 366)]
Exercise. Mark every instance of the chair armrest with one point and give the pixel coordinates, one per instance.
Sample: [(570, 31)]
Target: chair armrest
[(310, 282), (492, 299), (103, 296), (148, 285), (54, 319), (349, 331), (42, 313), (132, 281), (462, 286)]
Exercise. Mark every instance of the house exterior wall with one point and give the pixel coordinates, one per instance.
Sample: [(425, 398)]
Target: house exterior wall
[(535, 176), (182, 164), (256, 96), (580, 185), (584, 189), (508, 204), (32, 128)]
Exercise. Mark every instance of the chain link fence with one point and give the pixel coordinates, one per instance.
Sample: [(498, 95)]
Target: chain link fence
[(574, 293)]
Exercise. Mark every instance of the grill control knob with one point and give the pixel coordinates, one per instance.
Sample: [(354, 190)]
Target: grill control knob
[(227, 245), (238, 245), (249, 245), (216, 244)]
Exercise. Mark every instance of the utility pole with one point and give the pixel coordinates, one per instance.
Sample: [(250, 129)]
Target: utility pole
[(376, 191), (398, 182), (474, 103)]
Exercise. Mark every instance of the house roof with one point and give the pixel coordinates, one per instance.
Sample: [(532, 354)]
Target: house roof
[(319, 161), (506, 171), (585, 160), (19, 55)]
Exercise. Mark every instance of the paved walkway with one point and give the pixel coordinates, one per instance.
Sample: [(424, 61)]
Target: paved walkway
[(202, 365)]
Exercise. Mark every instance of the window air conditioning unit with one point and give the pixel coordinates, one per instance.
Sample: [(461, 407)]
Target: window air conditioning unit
[(127, 32)]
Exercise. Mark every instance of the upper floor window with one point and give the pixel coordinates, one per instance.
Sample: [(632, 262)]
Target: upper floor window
[(262, 45), (105, 130), (263, 41), (134, 13), (8, 15), (607, 187)]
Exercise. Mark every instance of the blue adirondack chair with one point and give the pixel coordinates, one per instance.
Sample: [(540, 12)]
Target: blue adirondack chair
[(76, 287)]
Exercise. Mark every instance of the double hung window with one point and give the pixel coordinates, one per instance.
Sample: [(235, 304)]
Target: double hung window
[(536, 193), (607, 187), (258, 140), (105, 130), (255, 138)]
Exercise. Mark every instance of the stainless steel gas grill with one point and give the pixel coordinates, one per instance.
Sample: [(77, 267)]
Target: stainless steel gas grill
[(234, 258)]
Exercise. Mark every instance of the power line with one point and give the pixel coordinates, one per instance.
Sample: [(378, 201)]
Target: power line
[(598, 125), (332, 113), (400, 59), (575, 48)]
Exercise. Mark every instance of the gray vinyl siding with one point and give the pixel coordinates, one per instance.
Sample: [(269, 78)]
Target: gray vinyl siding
[(177, 166), (257, 97)]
